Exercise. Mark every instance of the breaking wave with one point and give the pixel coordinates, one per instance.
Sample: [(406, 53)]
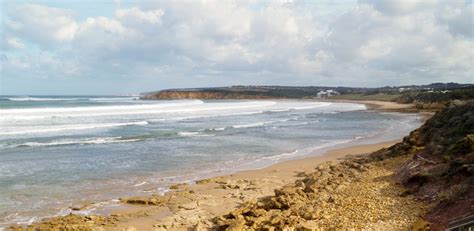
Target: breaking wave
[(70, 127)]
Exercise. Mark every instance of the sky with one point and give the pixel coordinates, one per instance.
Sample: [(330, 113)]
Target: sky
[(114, 47)]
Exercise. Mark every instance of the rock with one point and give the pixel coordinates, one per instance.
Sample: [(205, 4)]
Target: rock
[(153, 201), (177, 186), (354, 172), (420, 225), (300, 183), (159, 229), (308, 226), (98, 229), (286, 190), (199, 227), (204, 181), (322, 167), (189, 206), (236, 225), (135, 200), (329, 201), (268, 228), (167, 223)]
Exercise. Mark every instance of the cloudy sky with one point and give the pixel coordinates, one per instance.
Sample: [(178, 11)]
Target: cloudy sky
[(108, 47)]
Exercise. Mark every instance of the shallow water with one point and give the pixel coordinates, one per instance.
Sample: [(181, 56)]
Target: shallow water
[(57, 151)]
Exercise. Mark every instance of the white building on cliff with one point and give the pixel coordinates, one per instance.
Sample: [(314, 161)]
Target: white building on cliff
[(327, 93)]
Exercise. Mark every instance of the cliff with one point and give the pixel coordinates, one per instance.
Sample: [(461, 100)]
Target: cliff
[(236, 92), (169, 94), (441, 168)]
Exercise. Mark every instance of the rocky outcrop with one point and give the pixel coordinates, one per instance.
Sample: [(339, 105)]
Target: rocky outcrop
[(336, 196), (72, 222)]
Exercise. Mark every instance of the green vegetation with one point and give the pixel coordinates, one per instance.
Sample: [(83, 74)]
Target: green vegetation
[(422, 98), (378, 97), (432, 96), (437, 96), (269, 92), (450, 131), (442, 168), (446, 137)]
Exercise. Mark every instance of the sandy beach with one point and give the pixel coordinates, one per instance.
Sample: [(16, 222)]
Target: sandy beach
[(197, 205), (379, 105), (190, 204), (214, 197)]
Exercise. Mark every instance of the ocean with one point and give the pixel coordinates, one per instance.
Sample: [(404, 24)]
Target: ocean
[(59, 151)]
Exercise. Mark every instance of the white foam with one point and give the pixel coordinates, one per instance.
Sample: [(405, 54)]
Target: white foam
[(166, 108), (258, 124), (81, 141), (305, 123), (208, 116), (218, 129), (141, 183), (301, 152), (29, 98), (282, 155), (99, 140), (324, 104), (114, 99), (99, 108), (188, 133), (60, 128), (299, 124), (16, 218), (193, 134), (250, 125)]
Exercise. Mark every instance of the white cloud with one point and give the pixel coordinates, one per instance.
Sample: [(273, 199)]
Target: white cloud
[(41, 24), (377, 47), (136, 15), (458, 19), (397, 7), (15, 43), (224, 42)]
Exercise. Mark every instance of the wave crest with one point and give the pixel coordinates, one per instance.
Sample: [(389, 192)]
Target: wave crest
[(70, 127)]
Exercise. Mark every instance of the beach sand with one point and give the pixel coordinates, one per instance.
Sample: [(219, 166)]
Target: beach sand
[(193, 206)]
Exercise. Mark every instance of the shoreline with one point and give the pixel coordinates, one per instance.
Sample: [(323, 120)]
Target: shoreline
[(188, 204), (216, 196)]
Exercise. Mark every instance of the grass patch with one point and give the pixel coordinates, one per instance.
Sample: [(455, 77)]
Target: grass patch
[(378, 97)]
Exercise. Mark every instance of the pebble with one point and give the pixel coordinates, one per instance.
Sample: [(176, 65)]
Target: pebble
[(351, 197)]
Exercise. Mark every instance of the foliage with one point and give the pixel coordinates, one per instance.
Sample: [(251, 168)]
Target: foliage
[(437, 96), (449, 131), (368, 96)]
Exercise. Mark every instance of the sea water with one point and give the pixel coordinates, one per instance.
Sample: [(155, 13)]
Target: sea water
[(57, 151)]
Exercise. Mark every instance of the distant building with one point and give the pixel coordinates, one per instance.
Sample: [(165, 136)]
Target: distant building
[(327, 93), (402, 89)]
